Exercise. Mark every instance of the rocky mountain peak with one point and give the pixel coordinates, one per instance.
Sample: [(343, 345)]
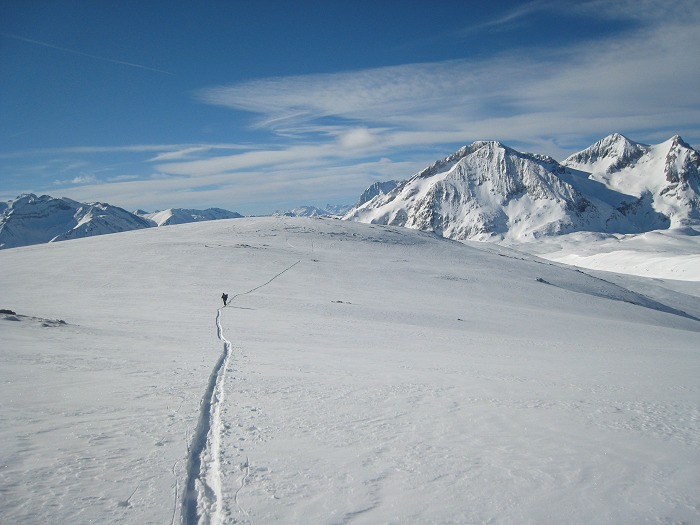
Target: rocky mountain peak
[(610, 154), (489, 191), (682, 164)]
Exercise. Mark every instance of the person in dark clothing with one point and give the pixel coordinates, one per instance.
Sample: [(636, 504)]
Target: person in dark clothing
[(224, 298)]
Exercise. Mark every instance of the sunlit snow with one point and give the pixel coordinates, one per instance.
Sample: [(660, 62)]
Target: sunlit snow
[(359, 374)]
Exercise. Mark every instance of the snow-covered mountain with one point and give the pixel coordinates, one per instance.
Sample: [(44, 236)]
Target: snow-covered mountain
[(32, 220), (29, 219), (488, 191), (330, 210), (183, 215), (664, 178), (378, 188), (610, 154)]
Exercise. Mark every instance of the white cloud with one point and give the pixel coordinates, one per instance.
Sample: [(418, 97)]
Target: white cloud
[(192, 150), (84, 179), (78, 180), (633, 83), (376, 95), (248, 192), (555, 102), (357, 138), (337, 127)]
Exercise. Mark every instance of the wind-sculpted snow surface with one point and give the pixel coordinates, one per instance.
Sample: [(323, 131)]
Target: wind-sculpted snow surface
[(375, 375)]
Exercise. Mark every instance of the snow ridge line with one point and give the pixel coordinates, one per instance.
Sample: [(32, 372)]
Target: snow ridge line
[(202, 499)]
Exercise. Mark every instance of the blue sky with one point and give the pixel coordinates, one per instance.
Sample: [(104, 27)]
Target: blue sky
[(261, 105)]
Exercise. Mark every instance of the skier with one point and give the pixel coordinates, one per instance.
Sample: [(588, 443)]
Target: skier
[(224, 298)]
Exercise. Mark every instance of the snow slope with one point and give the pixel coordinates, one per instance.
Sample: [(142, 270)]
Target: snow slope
[(360, 374), (661, 254)]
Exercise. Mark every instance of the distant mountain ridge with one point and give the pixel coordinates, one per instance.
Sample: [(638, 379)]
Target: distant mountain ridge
[(484, 191), (330, 210), (29, 219), (32, 220), (184, 215), (489, 191), (667, 175)]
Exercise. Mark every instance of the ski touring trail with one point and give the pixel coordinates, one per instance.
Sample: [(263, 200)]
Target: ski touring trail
[(202, 502)]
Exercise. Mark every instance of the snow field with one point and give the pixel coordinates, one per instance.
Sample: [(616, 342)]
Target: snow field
[(106, 405), (388, 377), (379, 407), (662, 254)]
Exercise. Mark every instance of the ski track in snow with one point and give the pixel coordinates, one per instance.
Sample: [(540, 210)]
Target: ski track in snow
[(202, 501)]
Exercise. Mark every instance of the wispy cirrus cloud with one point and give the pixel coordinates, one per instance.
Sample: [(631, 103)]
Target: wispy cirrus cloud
[(511, 16), (643, 12), (82, 53), (631, 82), (88, 150), (647, 12), (245, 191), (383, 95)]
